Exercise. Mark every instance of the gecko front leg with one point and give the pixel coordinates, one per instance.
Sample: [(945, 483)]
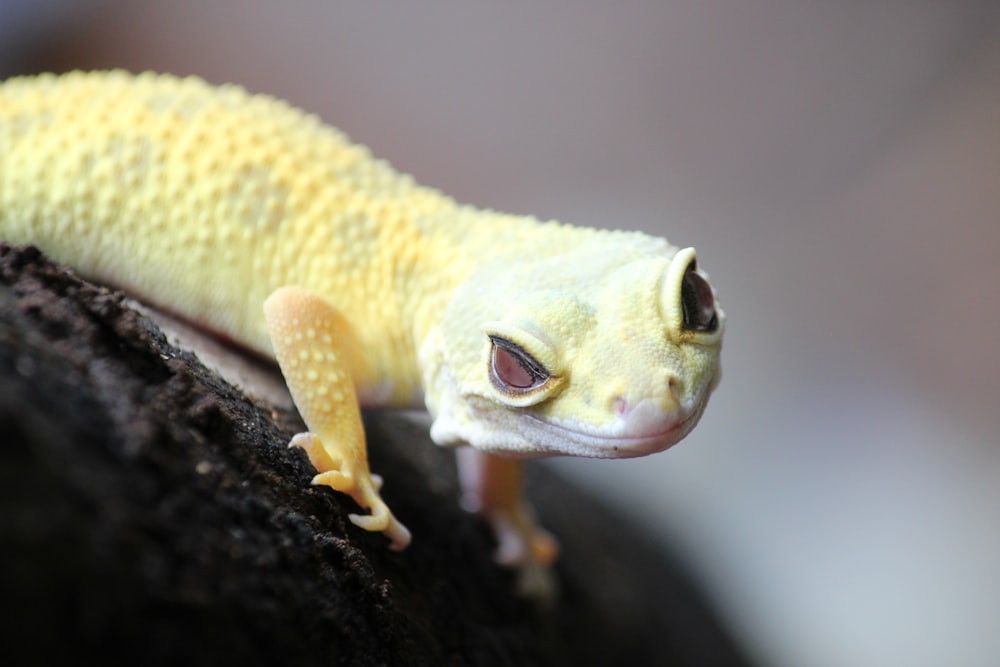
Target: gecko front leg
[(309, 338), (492, 485)]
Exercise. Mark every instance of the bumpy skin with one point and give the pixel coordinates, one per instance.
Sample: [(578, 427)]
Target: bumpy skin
[(206, 200)]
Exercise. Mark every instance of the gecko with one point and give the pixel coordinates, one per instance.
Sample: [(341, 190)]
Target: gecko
[(258, 222)]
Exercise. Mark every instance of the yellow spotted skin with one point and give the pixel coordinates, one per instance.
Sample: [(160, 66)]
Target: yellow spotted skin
[(256, 220), (180, 192)]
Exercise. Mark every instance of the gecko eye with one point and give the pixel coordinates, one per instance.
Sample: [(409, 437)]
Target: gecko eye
[(512, 369), (697, 302)]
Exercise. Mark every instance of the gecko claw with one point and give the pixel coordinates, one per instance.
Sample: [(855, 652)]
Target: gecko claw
[(399, 536), (382, 520), (358, 483)]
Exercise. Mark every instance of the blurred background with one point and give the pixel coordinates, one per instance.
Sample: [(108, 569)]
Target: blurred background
[(837, 166)]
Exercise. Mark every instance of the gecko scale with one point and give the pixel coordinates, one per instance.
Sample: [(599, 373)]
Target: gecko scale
[(257, 221)]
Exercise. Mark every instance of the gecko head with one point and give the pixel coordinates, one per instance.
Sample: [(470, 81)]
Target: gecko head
[(585, 355)]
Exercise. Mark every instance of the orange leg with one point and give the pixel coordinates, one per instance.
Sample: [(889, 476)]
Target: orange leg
[(492, 485), (309, 338)]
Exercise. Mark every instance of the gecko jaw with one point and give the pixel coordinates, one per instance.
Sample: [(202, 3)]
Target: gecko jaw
[(621, 440)]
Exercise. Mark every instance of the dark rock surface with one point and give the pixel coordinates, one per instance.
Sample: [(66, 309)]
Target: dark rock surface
[(151, 513)]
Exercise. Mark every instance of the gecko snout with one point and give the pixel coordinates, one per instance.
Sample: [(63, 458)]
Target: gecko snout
[(622, 406)]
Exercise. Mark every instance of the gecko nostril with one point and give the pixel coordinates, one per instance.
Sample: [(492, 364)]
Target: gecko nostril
[(675, 390), (621, 406)]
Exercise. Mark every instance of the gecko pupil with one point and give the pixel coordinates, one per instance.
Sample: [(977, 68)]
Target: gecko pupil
[(697, 302)]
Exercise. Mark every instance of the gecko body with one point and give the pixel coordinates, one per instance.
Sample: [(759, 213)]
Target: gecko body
[(255, 220)]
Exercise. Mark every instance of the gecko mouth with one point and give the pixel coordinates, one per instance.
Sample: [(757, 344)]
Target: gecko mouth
[(551, 437)]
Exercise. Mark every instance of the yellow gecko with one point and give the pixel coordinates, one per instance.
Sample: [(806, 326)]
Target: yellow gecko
[(258, 222)]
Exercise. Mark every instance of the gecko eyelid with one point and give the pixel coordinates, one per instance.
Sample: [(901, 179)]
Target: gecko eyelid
[(512, 369)]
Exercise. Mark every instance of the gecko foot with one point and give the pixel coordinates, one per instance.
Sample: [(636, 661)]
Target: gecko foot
[(529, 550), (521, 540), (354, 479), (526, 548)]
